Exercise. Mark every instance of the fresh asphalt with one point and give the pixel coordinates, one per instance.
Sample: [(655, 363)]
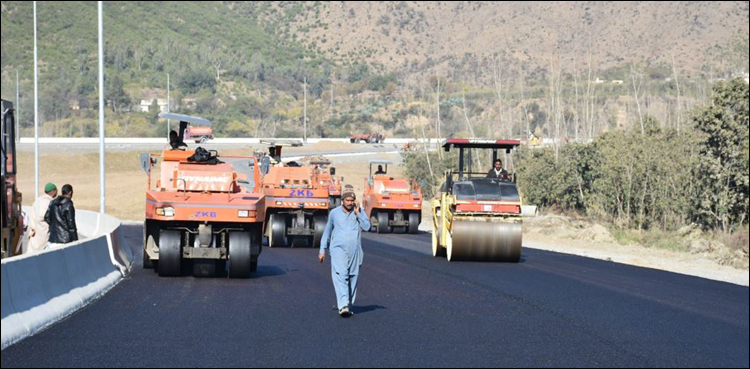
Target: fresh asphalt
[(412, 310)]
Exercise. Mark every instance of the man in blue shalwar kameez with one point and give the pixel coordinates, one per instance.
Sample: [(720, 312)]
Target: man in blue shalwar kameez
[(343, 238)]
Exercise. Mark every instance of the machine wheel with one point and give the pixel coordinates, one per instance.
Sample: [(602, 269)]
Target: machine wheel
[(351, 140), (320, 227), (485, 241), (204, 140), (373, 223), (240, 255), (277, 235), (413, 223), (170, 254), (383, 226)]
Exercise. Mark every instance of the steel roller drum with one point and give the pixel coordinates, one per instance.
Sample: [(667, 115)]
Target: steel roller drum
[(485, 241)]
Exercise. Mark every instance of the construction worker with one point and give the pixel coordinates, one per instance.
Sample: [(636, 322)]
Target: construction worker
[(38, 228), (498, 171), (380, 170), (174, 142), (343, 233), (61, 217)]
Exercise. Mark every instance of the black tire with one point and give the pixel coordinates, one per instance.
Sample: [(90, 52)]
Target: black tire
[(320, 226), (170, 254), (351, 140), (383, 226), (277, 235), (413, 223), (240, 255), (373, 223)]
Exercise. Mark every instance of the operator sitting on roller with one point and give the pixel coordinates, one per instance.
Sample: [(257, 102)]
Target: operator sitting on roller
[(380, 170), (498, 171), (343, 233), (174, 142)]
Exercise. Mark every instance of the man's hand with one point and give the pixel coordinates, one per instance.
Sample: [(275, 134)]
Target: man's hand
[(356, 208), (322, 258)]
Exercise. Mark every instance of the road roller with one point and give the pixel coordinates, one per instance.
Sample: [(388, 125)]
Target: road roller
[(328, 178), (476, 218), (203, 210), (297, 202), (392, 204)]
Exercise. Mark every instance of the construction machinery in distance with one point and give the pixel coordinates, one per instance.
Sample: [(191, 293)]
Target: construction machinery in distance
[(393, 204), (202, 208), (327, 175), (367, 138), (297, 203), (476, 218), (10, 214)]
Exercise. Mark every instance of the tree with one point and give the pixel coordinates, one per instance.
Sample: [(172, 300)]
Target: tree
[(723, 174), (116, 95)]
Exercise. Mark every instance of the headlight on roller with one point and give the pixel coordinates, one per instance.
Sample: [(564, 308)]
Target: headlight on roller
[(165, 212)]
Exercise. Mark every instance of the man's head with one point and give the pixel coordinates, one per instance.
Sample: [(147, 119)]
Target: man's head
[(67, 191), (498, 164), (348, 198), (173, 136), (380, 168), (51, 190)]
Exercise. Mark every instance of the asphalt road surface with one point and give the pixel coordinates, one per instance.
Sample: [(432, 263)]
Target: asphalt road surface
[(412, 310)]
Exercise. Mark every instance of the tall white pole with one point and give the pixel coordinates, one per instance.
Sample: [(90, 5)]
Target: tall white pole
[(36, 116), (18, 110), (304, 138), (102, 192), (169, 109)]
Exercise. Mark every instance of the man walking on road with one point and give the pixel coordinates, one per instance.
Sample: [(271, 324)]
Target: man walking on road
[(343, 233)]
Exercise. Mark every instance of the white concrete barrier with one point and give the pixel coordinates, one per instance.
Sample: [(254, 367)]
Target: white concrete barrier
[(41, 289)]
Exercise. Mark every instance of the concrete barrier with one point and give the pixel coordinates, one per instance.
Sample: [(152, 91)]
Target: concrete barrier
[(41, 289)]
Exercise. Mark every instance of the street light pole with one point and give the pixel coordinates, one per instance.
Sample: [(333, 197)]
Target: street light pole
[(102, 189)]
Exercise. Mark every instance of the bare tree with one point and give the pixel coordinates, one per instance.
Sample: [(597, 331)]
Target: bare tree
[(437, 103), (677, 82), (522, 77), (637, 80), (497, 78)]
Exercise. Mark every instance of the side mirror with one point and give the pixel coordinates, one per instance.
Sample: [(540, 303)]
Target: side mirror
[(333, 171), (146, 163), (265, 164)]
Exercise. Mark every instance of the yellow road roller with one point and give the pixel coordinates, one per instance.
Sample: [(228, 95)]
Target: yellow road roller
[(477, 215)]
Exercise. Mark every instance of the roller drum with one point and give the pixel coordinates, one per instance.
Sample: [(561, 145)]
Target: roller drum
[(485, 241)]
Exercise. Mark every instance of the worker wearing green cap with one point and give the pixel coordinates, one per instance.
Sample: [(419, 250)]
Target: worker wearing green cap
[(38, 228)]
